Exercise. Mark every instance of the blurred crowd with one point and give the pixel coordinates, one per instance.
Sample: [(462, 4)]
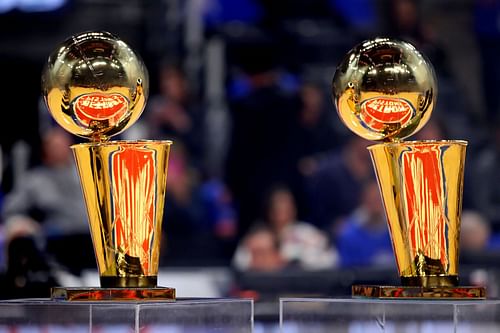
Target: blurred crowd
[(263, 176)]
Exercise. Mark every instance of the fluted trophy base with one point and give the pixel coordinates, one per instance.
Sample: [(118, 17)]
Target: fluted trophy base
[(430, 281), (113, 294), (419, 292), (128, 281)]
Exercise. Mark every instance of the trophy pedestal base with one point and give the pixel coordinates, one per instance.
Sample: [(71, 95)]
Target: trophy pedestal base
[(415, 292), (113, 294)]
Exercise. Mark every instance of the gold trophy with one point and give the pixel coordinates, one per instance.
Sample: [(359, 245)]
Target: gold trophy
[(385, 90), (95, 87)]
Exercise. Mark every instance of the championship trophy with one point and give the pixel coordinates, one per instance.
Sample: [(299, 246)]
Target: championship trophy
[(95, 86), (385, 90)]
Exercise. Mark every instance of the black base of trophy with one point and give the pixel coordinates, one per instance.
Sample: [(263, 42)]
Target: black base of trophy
[(128, 281), (419, 292), (113, 294)]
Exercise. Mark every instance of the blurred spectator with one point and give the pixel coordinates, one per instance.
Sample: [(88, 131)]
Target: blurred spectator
[(300, 243), (51, 195), (402, 20), (199, 218), (483, 181), (407, 21), (26, 74), (450, 26), (316, 131), (29, 273), (260, 251), (183, 212), (262, 123), (363, 238), (360, 16), (219, 209), (174, 113), (334, 181), (476, 234), (433, 130), (486, 17)]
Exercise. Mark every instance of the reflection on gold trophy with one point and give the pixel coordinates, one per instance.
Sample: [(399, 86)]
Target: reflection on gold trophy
[(385, 90), (95, 87)]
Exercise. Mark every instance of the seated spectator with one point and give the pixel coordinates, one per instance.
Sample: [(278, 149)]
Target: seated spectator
[(262, 123), (183, 213), (333, 181), (475, 233), (262, 251), (199, 218), (363, 238), (300, 243), (317, 125), (483, 181), (220, 214), (29, 272), (174, 113), (51, 195)]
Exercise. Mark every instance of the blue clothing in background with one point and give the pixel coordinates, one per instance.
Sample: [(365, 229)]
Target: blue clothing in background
[(359, 14), (359, 245), (487, 16), (217, 202), (222, 11), (333, 192)]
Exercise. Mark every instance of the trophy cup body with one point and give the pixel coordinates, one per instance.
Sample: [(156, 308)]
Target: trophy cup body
[(385, 90), (421, 187), (124, 187), (95, 86)]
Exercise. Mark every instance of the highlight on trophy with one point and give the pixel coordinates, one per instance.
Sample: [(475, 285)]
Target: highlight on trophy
[(385, 90), (95, 86)]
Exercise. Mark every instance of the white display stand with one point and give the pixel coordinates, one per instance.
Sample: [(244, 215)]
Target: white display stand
[(388, 316), (180, 316)]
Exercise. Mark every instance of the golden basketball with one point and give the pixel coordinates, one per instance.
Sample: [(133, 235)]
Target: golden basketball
[(384, 89), (94, 85)]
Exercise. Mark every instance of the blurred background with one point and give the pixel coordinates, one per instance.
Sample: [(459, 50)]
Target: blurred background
[(268, 194)]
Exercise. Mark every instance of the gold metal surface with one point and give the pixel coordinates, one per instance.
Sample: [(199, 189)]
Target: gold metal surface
[(94, 85), (419, 292), (421, 187), (384, 90), (124, 186)]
